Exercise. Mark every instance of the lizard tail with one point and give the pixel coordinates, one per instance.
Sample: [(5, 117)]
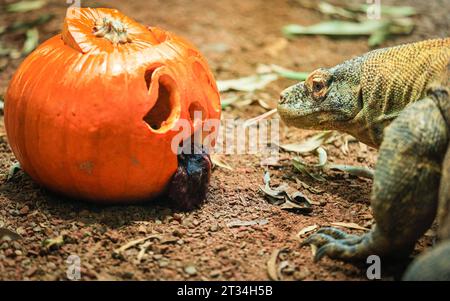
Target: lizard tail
[(433, 265)]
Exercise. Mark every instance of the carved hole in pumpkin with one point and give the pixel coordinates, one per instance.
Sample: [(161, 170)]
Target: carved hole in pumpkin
[(149, 73), (164, 112)]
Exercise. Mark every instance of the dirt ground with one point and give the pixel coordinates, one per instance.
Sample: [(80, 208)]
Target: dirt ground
[(235, 36)]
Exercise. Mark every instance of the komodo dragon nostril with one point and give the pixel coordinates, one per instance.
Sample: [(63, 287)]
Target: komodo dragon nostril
[(284, 97)]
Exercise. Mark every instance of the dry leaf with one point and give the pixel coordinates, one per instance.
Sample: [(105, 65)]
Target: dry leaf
[(288, 205), (307, 230), (344, 147), (310, 144), (246, 84), (276, 194), (218, 161), (350, 226), (256, 119), (133, 243), (272, 269), (53, 243), (142, 250), (264, 104), (6, 234), (239, 223), (308, 187)]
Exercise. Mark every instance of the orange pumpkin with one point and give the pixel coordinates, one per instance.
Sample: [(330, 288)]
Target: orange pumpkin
[(92, 112)]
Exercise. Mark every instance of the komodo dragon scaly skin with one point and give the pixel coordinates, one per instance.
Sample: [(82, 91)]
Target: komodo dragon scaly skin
[(363, 95), (396, 99)]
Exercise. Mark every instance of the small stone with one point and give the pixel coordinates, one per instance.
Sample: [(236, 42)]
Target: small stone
[(215, 274), (18, 252), (178, 217), (177, 233), (190, 270), (51, 266), (157, 256), (21, 231), (16, 245), (24, 210), (37, 229), (128, 275), (163, 263), (180, 242), (302, 274), (214, 228), (31, 272)]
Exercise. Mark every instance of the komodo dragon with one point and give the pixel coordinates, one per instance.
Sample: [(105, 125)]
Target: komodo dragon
[(395, 99)]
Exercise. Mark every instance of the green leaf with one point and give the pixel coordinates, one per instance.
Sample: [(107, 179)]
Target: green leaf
[(359, 171), (332, 10), (336, 28), (392, 11), (25, 6), (31, 42), (308, 169), (4, 51), (25, 25), (226, 102), (13, 169), (401, 26), (247, 84), (289, 74), (378, 37)]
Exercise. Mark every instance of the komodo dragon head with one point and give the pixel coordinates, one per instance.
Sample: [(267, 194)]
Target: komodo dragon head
[(363, 95), (328, 99)]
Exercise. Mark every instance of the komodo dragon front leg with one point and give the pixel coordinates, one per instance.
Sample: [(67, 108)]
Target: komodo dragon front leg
[(405, 189)]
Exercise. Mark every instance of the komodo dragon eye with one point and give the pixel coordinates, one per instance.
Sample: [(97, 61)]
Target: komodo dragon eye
[(317, 83), (318, 86)]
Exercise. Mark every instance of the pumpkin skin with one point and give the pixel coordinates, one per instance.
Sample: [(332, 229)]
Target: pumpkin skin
[(94, 119)]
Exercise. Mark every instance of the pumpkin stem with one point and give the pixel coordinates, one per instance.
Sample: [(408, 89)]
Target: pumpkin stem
[(114, 31)]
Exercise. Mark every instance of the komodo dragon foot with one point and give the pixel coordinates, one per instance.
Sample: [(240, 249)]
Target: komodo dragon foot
[(337, 244)]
